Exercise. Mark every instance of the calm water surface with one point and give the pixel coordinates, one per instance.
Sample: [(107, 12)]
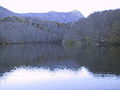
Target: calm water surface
[(54, 67)]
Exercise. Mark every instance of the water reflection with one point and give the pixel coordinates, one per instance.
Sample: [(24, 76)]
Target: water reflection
[(59, 79), (54, 67), (97, 60)]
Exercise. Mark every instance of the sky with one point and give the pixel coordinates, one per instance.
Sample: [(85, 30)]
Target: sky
[(84, 6)]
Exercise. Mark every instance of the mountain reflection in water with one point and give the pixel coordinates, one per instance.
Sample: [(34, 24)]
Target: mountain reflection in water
[(55, 67)]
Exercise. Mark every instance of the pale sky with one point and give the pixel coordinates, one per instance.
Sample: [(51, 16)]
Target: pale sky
[(84, 6)]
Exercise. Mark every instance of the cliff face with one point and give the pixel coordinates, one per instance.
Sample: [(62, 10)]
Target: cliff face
[(62, 17)]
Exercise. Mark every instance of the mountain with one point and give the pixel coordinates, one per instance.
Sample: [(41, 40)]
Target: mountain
[(16, 28), (99, 28), (62, 17), (5, 12)]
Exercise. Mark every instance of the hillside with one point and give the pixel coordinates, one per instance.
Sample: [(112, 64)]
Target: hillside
[(5, 12), (29, 30), (100, 28)]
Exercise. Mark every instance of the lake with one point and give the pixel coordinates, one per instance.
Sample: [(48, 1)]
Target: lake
[(56, 67)]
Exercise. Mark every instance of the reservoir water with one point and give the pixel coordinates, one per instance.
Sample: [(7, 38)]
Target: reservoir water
[(56, 67)]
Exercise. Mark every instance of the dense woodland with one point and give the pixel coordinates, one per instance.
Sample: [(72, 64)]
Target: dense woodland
[(99, 28), (25, 30)]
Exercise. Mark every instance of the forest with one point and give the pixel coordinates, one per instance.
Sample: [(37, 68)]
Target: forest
[(99, 28)]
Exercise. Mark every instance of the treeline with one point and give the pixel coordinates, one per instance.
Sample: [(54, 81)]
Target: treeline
[(101, 28), (24, 30)]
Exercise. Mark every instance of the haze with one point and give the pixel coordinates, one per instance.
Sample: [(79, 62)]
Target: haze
[(84, 6)]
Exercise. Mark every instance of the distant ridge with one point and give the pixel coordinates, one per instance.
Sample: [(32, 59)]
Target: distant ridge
[(5, 12), (63, 17)]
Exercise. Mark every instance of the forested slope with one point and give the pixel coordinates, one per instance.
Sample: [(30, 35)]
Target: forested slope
[(24, 30), (101, 28)]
